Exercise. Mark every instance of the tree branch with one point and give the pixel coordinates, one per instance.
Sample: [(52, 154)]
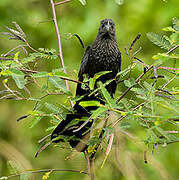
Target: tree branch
[(60, 55), (136, 81), (45, 170), (122, 117), (172, 49), (61, 2)]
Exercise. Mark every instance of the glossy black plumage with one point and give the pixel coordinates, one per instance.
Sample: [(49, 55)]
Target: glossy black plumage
[(102, 55)]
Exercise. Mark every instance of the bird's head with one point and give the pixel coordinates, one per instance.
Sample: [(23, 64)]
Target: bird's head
[(107, 29)]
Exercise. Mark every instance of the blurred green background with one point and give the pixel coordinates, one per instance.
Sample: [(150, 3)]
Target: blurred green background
[(18, 142)]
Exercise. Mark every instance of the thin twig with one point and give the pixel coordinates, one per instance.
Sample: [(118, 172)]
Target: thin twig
[(90, 165), (81, 42), (61, 2), (19, 46), (122, 117), (172, 132), (48, 94), (47, 170), (44, 138), (139, 60), (168, 68), (30, 47), (66, 79), (60, 55), (42, 148), (136, 52), (134, 41), (108, 148), (172, 49), (136, 81), (164, 85), (86, 122), (5, 85), (72, 80), (6, 59)]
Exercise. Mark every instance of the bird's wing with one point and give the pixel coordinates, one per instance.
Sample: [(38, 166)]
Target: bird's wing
[(119, 60), (84, 64)]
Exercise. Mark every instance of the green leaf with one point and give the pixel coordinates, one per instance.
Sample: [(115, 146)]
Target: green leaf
[(83, 2), (13, 167), (107, 96), (92, 81), (53, 108), (162, 132), (162, 57), (99, 74), (175, 23), (35, 120), (6, 63), (28, 59), (170, 29), (16, 56), (168, 39), (152, 139), (34, 113), (58, 83), (159, 40), (18, 77), (59, 73), (5, 72), (98, 112), (51, 127), (44, 55), (33, 99), (139, 90), (148, 86), (125, 71), (16, 72), (65, 108), (47, 51), (130, 83), (89, 103), (25, 176), (174, 38), (19, 80), (40, 74), (125, 125)]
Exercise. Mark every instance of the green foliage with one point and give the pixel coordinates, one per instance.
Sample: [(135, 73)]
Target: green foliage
[(169, 43), (159, 40), (92, 81), (148, 112), (107, 96), (13, 167), (89, 103), (83, 2), (25, 176)]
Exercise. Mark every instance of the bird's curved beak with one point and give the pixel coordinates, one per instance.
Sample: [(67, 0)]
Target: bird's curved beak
[(107, 26)]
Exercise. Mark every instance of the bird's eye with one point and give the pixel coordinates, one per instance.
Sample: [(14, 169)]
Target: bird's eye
[(102, 26)]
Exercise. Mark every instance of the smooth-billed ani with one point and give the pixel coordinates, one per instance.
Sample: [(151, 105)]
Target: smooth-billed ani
[(102, 55)]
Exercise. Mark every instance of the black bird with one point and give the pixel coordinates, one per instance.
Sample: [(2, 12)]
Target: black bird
[(102, 55)]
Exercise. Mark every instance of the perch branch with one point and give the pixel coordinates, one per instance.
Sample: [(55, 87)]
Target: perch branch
[(60, 55)]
